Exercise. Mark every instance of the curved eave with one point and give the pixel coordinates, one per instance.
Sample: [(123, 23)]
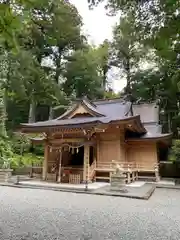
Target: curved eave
[(37, 140), (140, 126), (33, 128), (68, 112), (156, 137)]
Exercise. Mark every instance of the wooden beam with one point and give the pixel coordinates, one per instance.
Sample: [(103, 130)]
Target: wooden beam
[(67, 140)]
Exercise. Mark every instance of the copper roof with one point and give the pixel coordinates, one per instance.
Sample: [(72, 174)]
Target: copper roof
[(108, 111)]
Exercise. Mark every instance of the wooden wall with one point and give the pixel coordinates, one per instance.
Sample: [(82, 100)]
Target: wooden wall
[(144, 154), (113, 147), (110, 147)]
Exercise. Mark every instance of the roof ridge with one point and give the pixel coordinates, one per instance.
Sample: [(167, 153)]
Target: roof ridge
[(145, 103), (106, 99)]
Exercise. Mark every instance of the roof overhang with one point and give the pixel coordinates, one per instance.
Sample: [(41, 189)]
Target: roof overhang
[(158, 137), (36, 128)]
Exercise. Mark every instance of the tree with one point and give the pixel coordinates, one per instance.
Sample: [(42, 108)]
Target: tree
[(103, 56), (55, 31), (157, 26), (11, 23), (51, 30), (126, 51), (82, 75), (157, 85)]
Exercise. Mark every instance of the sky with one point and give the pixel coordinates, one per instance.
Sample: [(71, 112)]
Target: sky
[(98, 27)]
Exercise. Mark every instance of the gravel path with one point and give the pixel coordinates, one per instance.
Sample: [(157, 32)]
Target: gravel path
[(27, 214)]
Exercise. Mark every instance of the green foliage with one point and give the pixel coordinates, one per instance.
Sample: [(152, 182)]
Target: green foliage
[(6, 153), (10, 25), (175, 151), (26, 160), (5, 147), (82, 76), (149, 29), (20, 143), (102, 54), (110, 94), (126, 50)]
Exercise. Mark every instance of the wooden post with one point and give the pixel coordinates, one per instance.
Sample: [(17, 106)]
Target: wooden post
[(86, 164), (45, 162), (122, 146), (60, 162)]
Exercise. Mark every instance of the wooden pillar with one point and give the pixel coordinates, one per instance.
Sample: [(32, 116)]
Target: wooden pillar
[(86, 164), (98, 152), (45, 162), (60, 165), (156, 168)]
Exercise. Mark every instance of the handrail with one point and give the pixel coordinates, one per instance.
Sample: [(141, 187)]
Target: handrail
[(92, 169)]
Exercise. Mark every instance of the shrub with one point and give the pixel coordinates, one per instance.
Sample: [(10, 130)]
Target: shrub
[(175, 151), (20, 143), (6, 152), (25, 160)]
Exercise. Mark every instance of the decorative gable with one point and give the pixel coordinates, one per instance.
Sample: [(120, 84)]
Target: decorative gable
[(82, 108), (81, 111)]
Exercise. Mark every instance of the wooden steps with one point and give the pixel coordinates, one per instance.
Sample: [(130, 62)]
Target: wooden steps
[(103, 171), (106, 178)]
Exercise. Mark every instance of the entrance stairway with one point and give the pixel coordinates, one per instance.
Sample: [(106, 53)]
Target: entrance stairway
[(103, 171)]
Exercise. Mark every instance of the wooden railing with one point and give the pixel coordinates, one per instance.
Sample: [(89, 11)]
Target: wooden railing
[(127, 165), (92, 170), (103, 165)]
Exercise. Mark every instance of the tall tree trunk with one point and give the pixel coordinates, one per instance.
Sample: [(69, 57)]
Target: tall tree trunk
[(5, 99), (51, 113), (128, 73), (56, 78), (32, 111), (169, 122)]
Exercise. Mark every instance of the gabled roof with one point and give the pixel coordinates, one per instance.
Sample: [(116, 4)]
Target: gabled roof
[(102, 111), (86, 104), (158, 137)]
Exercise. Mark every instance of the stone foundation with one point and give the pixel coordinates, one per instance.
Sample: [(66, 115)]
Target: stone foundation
[(118, 183), (5, 175)]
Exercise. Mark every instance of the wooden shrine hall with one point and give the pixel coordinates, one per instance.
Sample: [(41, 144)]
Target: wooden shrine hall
[(79, 146)]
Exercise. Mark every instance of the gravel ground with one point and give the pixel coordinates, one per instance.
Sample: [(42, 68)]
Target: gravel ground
[(27, 214)]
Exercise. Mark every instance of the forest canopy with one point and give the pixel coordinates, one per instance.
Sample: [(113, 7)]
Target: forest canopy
[(47, 61)]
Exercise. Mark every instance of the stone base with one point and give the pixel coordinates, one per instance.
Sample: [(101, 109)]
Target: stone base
[(5, 175), (118, 180), (121, 190), (118, 183)]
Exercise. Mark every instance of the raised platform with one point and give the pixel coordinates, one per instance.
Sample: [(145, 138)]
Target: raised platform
[(140, 191)]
